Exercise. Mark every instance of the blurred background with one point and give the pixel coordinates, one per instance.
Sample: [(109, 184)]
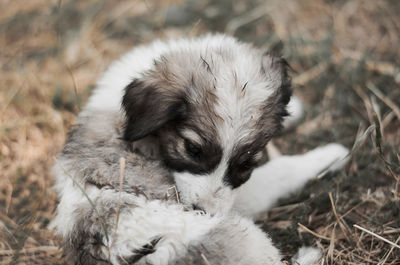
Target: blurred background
[(345, 60)]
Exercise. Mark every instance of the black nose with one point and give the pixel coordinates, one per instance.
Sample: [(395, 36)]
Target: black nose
[(197, 208)]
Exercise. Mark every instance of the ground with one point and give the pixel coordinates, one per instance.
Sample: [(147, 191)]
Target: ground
[(345, 67)]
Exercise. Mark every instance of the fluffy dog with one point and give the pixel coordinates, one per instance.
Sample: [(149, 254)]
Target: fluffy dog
[(193, 114)]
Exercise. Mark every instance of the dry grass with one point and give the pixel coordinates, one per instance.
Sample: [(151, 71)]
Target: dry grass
[(346, 56)]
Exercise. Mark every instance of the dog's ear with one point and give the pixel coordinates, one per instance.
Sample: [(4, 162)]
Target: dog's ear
[(148, 108), (276, 69)]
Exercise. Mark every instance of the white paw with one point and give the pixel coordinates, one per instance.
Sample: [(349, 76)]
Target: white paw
[(331, 157)]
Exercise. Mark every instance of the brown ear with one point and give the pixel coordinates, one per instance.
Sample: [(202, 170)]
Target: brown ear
[(149, 108)]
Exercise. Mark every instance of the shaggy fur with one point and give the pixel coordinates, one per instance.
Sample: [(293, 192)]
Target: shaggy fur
[(186, 115)]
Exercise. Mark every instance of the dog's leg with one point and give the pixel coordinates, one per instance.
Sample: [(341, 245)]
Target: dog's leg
[(284, 175), (235, 240)]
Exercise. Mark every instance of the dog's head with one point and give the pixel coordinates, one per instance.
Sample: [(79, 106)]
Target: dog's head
[(213, 110)]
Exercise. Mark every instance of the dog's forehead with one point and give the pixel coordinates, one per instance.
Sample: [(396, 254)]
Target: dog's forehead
[(232, 66), (227, 89)]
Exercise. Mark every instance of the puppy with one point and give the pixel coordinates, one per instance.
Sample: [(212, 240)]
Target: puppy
[(160, 168)]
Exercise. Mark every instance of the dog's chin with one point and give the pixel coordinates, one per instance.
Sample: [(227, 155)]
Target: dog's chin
[(204, 193)]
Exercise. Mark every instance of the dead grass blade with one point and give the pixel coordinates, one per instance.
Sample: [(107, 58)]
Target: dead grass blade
[(176, 193), (205, 259), (122, 164), (366, 101), (389, 252), (358, 142), (377, 236), (311, 74), (69, 70), (385, 99), (313, 233), (342, 224)]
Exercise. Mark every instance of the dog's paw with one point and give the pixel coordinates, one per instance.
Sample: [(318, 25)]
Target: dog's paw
[(166, 252), (331, 157), (158, 252)]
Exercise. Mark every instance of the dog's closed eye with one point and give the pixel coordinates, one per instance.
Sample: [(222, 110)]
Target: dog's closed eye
[(194, 150)]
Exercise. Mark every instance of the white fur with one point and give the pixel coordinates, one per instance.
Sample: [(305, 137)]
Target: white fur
[(295, 109), (71, 199), (192, 135), (151, 219), (307, 256)]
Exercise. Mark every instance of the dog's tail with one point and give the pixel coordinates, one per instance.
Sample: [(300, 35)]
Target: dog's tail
[(307, 256)]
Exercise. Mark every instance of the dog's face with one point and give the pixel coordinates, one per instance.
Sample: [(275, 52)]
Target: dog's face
[(213, 111)]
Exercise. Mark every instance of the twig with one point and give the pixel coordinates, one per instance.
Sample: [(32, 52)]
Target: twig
[(367, 103), (122, 164), (389, 252), (78, 104), (338, 219), (311, 74), (332, 243), (313, 233), (176, 193), (377, 236), (388, 165), (377, 111), (384, 98), (285, 207), (205, 259), (391, 231), (387, 119)]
